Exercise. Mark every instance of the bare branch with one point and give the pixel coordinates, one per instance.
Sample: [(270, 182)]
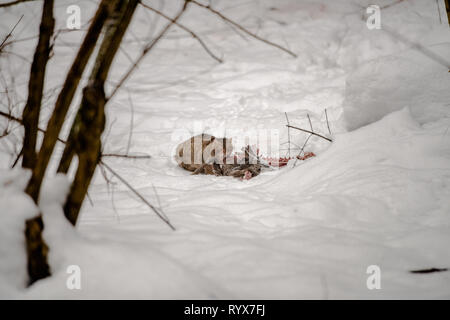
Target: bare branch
[(30, 115), (328, 124), (2, 45), (18, 120), (161, 216), (302, 149), (10, 117), (391, 4), (17, 158), (131, 122), (417, 46), (12, 3), (117, 155), (15, 54), (147, 49), (289, 135), (311, 132), (237, 25), (65, 98), (310, 123), (193, 34), (129, 156), (429, 270)]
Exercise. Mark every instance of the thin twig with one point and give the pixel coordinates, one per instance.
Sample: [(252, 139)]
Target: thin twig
[(17, 158), (147, 49), (157, 197), (18, 120), (159, 202), (105, 176), (10, 117), (5, 133), (161, 216), (125, 156), (7, 52), (302, 149), (310, 123), (425, 51), (313, 133), (108, 132), (391, 4), (131, 122), (12, 3), (125, 53), (328, 124), (90, 199), (110, 188), (113, 203), (292, 143), (192, 33), (63, 30), (289, 135), (237, 25), (10, 33)]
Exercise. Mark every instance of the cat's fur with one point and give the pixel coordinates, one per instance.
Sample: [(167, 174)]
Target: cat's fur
[(206, 154), (202, 149)]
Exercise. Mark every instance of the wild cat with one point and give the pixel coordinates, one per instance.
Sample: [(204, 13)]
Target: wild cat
[(206, 154), (203, 149)]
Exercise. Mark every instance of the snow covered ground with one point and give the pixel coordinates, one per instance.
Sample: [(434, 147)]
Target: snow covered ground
[(378, 195)]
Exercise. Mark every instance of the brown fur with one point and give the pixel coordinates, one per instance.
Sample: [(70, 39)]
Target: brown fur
[(192, 156), (215, 164)]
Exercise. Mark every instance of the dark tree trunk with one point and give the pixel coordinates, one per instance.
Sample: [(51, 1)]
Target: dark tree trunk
[(85, 137), (37, 249), (69, 148), (65, 98), (30, 115), (87, 146)]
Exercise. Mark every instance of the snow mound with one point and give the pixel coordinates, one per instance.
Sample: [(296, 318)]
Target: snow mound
[(109, 269), (387, 84), (15, 207)]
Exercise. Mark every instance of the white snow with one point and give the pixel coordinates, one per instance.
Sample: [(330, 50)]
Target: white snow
[(16, 207), (378, 195)]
